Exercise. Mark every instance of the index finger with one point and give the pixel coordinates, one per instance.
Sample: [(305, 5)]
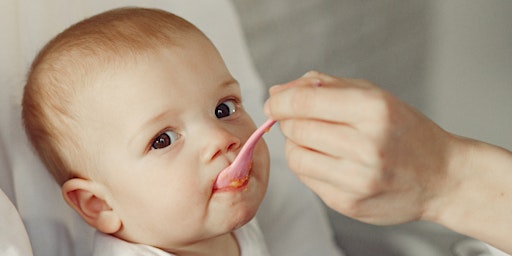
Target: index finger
[(339, 100)]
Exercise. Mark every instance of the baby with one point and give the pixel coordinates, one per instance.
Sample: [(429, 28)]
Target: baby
[(134, 113)]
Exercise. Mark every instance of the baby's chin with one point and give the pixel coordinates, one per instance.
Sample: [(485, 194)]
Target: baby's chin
[(232, 217), (241, 219)]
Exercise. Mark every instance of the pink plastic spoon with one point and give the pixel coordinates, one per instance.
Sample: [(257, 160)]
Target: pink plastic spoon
[(237, 173)]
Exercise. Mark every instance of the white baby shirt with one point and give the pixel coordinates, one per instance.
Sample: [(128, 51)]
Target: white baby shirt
[(249, 237)]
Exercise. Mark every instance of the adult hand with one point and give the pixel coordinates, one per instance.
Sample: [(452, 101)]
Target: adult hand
[(374, 158), (364, 152)]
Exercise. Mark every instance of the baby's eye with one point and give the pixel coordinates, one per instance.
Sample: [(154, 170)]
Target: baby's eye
[(225, 109), (164, 140)]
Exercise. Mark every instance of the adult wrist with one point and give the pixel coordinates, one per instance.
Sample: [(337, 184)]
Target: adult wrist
[(447, 190)]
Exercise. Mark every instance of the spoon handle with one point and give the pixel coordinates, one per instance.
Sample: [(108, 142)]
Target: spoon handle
[(256, 135)]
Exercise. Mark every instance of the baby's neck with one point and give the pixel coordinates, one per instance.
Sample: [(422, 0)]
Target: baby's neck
[(224, 245)]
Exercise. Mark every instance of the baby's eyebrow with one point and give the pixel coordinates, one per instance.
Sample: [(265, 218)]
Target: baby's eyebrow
[(144, 125), (229, 83)]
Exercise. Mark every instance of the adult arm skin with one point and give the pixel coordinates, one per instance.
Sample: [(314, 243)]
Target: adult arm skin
[(374, 158)]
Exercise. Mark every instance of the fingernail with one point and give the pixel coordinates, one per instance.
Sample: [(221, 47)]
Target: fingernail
[(310, 73), (274, 88)]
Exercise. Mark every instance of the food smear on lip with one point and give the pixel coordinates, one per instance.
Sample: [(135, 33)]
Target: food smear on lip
[(236, 183)]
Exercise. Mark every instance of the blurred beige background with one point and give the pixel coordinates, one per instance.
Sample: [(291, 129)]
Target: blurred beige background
[(451, 59)]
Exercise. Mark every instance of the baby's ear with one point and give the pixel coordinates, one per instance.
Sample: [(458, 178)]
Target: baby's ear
[(87, 198)]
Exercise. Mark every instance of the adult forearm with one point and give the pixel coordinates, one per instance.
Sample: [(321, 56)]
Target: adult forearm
[(476, 198)]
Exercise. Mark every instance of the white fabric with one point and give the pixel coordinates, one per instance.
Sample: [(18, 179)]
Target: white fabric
[(291, 218), (495, 252), (13, 237), (250, 241)]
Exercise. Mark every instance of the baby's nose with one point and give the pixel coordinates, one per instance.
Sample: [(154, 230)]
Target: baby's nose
[(219, 141)]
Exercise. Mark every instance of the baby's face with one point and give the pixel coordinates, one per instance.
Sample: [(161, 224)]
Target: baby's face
[(161, 129)]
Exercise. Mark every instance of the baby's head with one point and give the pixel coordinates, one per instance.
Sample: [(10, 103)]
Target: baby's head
[(134, 113)]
